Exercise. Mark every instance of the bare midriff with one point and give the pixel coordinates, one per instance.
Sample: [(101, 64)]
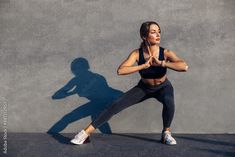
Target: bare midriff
[(154, 82)]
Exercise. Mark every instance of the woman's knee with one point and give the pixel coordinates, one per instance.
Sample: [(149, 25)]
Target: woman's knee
[(169, 102)]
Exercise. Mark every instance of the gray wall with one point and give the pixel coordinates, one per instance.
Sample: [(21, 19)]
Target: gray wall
[(43, 43)]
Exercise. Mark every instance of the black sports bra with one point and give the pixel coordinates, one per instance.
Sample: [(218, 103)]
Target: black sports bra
[(153, 71)]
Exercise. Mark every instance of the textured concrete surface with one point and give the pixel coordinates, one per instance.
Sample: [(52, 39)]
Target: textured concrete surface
[(48, 47), (121, 145)]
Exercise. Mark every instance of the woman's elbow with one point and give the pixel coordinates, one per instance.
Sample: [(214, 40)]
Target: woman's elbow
[(122, 71), (119, 71), (185, 67)]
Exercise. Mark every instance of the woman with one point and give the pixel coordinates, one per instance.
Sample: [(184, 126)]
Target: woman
[(153, 62)]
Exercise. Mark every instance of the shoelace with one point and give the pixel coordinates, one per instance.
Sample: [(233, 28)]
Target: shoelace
[(81, 136), (169, 137)]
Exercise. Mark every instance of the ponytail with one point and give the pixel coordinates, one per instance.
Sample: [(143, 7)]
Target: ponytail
[(142, 44)]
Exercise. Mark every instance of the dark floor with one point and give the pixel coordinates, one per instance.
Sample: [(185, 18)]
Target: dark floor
[(119, 145)]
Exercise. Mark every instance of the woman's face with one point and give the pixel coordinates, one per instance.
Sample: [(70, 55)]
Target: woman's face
[(154, 35)]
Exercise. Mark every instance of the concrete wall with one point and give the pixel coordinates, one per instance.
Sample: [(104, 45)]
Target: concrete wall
[(50, 46)]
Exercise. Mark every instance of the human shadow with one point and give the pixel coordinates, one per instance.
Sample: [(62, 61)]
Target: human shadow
[(86, 84), (215, 142), (205, 140), (138, 137), (218, 152)]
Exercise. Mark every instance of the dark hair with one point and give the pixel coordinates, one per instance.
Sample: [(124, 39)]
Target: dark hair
[(144, 30)]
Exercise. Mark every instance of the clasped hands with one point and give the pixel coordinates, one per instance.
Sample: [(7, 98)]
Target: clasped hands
[(153, 61)]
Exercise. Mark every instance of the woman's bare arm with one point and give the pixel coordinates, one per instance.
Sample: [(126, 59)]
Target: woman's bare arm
[(175, 63), (127, 66)]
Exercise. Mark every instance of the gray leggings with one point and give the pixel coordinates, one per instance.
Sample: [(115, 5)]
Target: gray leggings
[(163, 93)]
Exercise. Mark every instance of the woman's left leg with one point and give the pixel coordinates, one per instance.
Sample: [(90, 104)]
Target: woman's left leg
[(166, 97)]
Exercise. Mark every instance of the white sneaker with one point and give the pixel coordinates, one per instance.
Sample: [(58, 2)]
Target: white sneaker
[(167, 138), (80, 138)]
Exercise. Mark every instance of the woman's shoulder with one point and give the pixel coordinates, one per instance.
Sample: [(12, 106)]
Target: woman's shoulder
[(135, 51), (167, 51), (134, 54)]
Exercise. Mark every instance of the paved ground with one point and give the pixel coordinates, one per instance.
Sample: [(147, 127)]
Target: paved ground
[(119, 145)]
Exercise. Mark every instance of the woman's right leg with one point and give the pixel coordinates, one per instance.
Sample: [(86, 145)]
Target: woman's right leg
[(131, 97)]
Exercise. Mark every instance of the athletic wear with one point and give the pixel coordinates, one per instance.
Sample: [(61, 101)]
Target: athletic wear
[(163, 92), (80, 138), (167, 138), (153, 71)]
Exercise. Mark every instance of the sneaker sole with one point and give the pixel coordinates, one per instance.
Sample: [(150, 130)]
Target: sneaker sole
[(86, 141), (164, 142)]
